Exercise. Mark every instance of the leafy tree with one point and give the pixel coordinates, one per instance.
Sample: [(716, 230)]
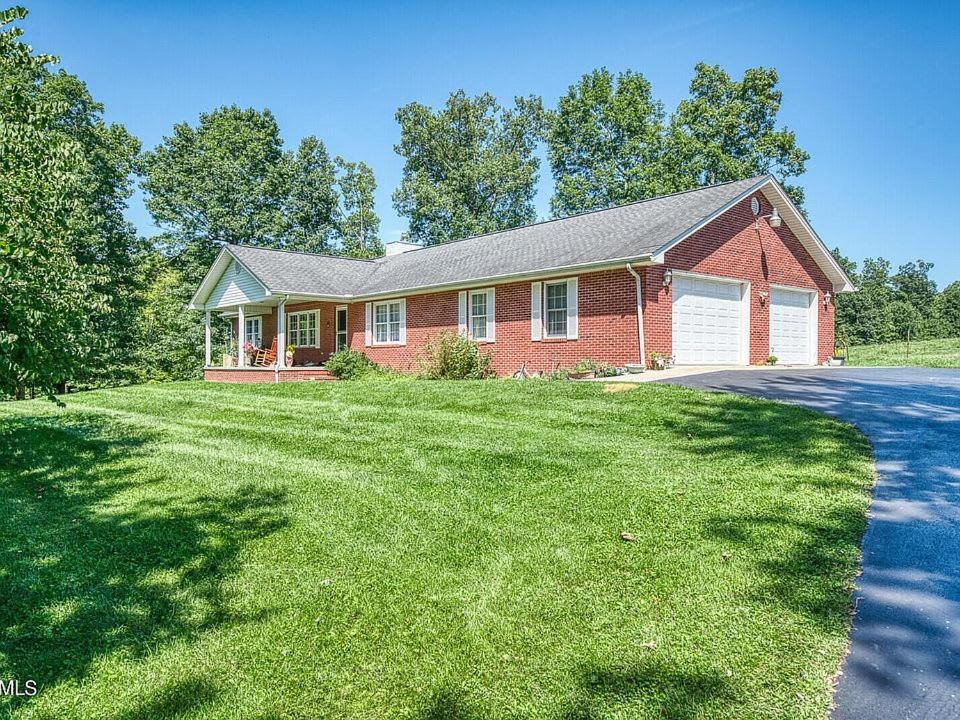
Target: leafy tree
[(948, 311), (469, 168), (312, 213), (902, 320), (726, 130), (222, 181), (45, 294), (359, 226), (605, 143), (912, 284), (104, 243)]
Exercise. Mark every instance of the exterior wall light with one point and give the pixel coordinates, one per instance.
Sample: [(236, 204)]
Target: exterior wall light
[(667, 277), (774, 217), (826, 300), (763, 297)]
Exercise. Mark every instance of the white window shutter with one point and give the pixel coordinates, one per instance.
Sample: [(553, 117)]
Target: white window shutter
[(536, 316), (491, 316), (403, 321), (572, 330), (317, 315), (368, 341), (462, 313)]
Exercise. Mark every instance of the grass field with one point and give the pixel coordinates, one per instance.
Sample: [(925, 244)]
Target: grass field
[(919, 353), (410, 549)]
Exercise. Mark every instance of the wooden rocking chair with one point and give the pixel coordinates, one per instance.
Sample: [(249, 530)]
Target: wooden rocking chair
[(265, 358)]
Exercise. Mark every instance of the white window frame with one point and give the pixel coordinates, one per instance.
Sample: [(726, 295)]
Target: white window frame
[(248, 336), (546, 310), (489, 315), (401, 329), (294, 336)]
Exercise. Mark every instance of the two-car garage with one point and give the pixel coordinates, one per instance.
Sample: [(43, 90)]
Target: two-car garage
[(711, 322)]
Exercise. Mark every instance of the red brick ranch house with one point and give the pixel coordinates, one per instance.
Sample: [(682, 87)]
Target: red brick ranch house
[(728, 275)]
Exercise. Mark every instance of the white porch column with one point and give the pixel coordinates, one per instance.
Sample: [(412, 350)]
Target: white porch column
[(242, 338), (282, 334), (206, 339)]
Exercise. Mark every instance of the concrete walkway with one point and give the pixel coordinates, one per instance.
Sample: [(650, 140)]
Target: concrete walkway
[(904, 661)]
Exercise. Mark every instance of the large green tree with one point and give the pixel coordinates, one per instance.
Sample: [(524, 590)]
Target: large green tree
[(221, 181), (470, 167), (359, 226), (46, 296), (312, 212), (605, 143), (104, 243), (727, 130)]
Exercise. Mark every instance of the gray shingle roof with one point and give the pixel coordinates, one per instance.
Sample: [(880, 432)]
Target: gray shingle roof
[(626, 232), (306, 273)]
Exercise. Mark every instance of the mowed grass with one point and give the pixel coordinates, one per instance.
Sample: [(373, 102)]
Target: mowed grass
[(943, 353), (420, 549)]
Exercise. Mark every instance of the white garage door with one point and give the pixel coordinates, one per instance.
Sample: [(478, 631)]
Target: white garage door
[(706, 321), (790, 326)]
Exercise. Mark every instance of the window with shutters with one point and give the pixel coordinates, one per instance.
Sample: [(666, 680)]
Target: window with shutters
[(555, 317), (480, 315)]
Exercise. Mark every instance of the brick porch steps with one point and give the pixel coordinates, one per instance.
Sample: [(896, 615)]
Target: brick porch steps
[(266, 375)]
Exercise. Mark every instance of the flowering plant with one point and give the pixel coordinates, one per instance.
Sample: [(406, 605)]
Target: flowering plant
[(249, 347)]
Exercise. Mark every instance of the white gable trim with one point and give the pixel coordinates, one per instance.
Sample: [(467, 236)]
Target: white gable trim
[(795, 221), (224, 260)]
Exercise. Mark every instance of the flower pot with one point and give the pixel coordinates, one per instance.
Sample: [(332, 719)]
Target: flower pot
[(289, 358)]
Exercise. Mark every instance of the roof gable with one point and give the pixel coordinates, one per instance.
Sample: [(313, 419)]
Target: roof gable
[(236, 286)]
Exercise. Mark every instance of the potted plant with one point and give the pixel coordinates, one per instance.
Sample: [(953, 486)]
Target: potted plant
[(658, 361), (249, 350), (288, 355), (583, 370)]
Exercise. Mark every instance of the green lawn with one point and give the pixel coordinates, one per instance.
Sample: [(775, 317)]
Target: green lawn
[(413, 549), (919, 353)]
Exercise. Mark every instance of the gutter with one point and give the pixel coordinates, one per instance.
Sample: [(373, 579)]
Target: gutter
[(641, 344)]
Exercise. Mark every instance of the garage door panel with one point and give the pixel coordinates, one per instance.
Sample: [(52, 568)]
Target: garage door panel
[(706, 321), (790, 326)]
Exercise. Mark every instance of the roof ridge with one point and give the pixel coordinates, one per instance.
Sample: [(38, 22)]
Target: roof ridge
[(570, 217), (301, 252)]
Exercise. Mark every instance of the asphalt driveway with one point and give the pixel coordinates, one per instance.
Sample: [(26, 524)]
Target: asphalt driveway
[(904, 660)]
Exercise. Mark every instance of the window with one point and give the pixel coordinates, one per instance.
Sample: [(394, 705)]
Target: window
[(480, 303), (556, 317), (341, 341), (302, 329), (386, 321), (252, 329)]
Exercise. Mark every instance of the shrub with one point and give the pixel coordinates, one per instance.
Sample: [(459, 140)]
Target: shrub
[(349, 364), (772, 360), (453, 357)]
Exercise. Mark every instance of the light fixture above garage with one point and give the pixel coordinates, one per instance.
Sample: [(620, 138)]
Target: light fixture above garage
[(826, 299), (774, 218), (667, 277)]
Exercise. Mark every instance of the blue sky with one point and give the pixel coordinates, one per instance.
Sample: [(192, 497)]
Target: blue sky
[(871, 90)]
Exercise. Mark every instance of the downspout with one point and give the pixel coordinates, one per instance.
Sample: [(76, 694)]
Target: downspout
[(643, 352)]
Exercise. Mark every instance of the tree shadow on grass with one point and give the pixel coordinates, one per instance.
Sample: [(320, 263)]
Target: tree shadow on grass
[(662, 688), (86, 570), (813, 575)]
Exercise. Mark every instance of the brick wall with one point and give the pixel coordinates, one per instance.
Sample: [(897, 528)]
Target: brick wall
[(731, 246), (607, 327)]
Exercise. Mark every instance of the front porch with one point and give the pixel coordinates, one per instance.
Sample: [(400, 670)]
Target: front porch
[(278, 339)]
